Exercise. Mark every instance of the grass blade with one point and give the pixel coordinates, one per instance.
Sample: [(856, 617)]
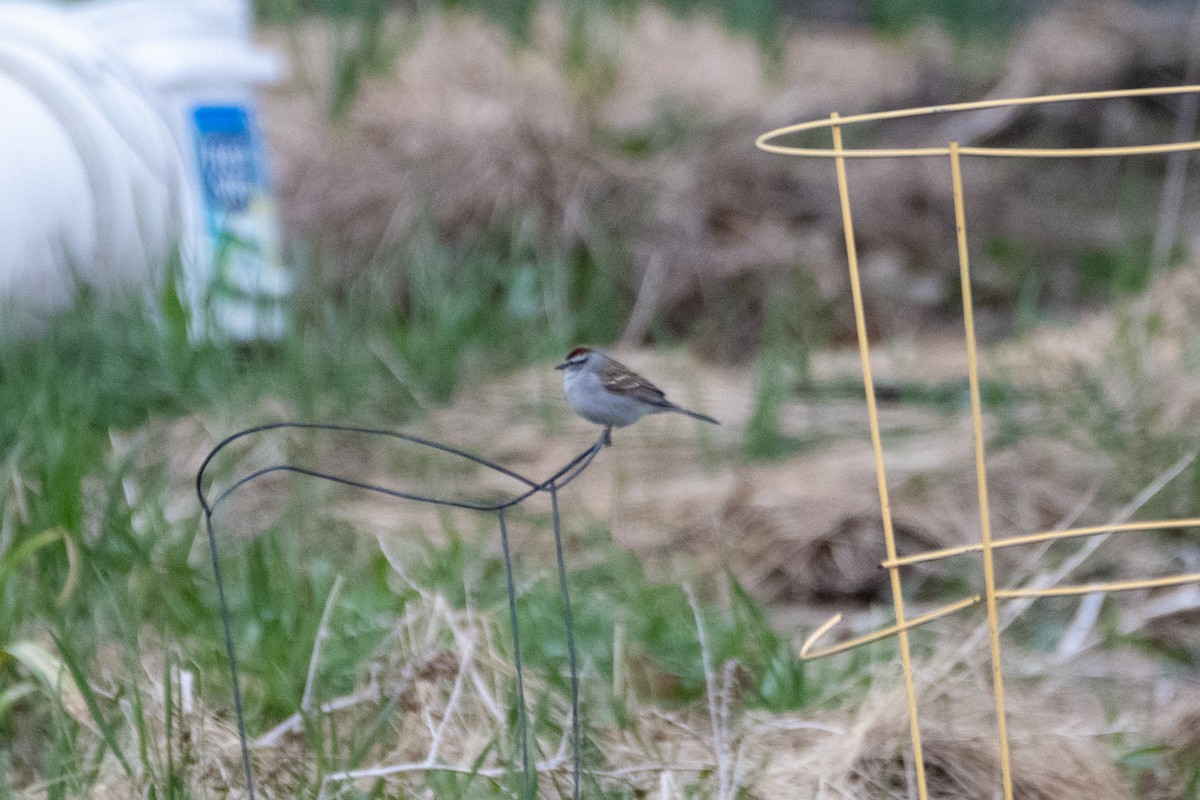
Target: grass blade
[(93, 707)]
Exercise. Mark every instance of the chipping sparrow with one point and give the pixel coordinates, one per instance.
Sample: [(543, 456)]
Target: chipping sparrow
[(608, 393)]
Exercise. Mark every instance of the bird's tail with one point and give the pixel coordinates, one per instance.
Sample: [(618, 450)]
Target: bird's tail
[(694, 414)]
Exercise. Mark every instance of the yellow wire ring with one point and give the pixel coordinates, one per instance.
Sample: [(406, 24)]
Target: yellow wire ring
[(767, 140)]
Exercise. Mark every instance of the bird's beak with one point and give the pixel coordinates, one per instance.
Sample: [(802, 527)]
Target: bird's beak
[(562, 365)]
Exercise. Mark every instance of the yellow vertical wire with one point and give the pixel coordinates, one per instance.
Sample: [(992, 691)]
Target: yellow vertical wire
[(877, 445), (989, 573)]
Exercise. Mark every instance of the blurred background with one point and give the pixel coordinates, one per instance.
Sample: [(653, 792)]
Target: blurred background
[(404, 214), (611, 139)]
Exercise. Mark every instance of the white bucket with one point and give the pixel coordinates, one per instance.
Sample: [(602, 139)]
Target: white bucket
[(128, 143)]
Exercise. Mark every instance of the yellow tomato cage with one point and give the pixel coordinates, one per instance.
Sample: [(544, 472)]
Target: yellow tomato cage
[(953, 153)]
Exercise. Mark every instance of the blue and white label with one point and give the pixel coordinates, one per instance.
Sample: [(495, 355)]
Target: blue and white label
[(247, 284), (229, 169)]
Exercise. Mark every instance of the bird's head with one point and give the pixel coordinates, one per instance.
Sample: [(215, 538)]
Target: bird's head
[(577, 359)]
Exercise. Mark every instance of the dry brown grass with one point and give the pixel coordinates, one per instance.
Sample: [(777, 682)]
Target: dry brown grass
[(1054, 754), (468, 132), (451, 680), (470, 127), (802, 534)]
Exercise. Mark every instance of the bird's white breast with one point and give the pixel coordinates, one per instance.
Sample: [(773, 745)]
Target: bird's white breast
[(593, 402)]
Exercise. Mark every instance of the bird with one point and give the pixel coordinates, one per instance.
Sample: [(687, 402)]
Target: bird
[(605, 391)]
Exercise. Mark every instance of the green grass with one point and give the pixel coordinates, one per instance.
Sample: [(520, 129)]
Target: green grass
[(101, 576), (653, 623), (980, 20), (760, 18), (795, 325), (145, 590), (765, 20), (106, 594)]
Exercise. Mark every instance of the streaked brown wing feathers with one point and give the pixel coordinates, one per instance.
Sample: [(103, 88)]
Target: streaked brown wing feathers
[(619, 379)]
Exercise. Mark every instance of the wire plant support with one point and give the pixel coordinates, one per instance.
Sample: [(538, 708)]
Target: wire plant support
[(209, 502), (953, 153)]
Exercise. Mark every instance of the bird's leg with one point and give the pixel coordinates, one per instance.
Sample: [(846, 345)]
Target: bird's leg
[(608, 436)]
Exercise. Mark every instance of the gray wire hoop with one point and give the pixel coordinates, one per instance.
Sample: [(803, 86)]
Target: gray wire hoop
[(572, 470)]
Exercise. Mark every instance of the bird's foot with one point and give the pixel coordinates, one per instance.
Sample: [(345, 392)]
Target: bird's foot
[(608, 437)]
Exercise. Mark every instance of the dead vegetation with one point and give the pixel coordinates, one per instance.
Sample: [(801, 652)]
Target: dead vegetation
[(1054, 754), (448, 680), (802, 534), (646, 143), (468, 131)]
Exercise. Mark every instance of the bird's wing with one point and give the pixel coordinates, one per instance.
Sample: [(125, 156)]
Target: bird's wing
[(619, 379)]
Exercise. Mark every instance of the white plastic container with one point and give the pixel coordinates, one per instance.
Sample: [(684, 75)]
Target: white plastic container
[(128, 144)]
